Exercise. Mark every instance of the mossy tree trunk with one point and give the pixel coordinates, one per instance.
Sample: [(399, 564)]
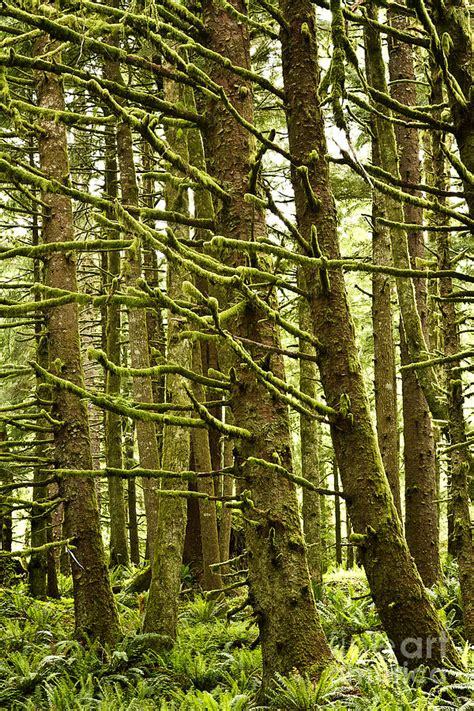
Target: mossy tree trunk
[(142, 388), (405, 610), (412, 325), (95, 611), (459, 457), (337, 514), (132, 509), (113, 422), (154, 316), (451, 35), (6, 522), (280, 589), (207, 509), (309, 447), (206, 443), (421, 490), (162, 606), (225, 525), (40, 522), (385, 385)]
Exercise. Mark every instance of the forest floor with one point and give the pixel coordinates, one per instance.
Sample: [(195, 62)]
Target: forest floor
[(215, 664)]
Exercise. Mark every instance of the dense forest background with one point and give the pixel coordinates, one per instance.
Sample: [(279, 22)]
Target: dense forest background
[(236, 354)]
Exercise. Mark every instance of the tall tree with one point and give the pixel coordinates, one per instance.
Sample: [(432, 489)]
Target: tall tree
[(398, 592), (113, 422), (385, 384), (162, 608), (280, 588), (137, 319), (460, 542), (421, 490), (96, 614)]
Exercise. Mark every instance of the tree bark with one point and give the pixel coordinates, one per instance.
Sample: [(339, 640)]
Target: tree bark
[(38, 563), (225, 527), (385, 385), (282, 598), (459, 458), (452, 25), (6, 522), (96, 614), (207, 509), (412, 325), (337, 515), (309, 444), (142, 389), (113, 422), (162, 607), (397, 589), (421, 509), (133, 537)]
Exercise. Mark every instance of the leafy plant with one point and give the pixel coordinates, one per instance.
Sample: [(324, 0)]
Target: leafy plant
[(214, 663)]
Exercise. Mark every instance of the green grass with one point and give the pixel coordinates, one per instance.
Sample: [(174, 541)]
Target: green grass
[(215, 663)]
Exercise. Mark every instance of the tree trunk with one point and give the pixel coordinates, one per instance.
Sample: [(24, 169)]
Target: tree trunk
[(142, 389), (452, 22), (162, 606), (207, 509), (192, 550), (385, 384), (459, 458), (309, 444), (40, 522), (337, 515), (133, 537), (290, 633), (113, 422), (349, 549), (225, 527), (412, 325), (96, 614), (6, 523), (398, 592), (421, 509)]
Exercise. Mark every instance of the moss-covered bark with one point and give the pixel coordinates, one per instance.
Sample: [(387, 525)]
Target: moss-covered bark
[(6, 528), (133, 538), (212, 439), (280, 588), (460, 457), (449, 27), (405, 610), (421, 491), (113, 422), (207, 509), (385, 386), (40, 522), (162, 606), (309, 444), (137, 324), (412, 326), (95, 611)]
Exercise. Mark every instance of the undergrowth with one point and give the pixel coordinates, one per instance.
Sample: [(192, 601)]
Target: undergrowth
[(215, 664)]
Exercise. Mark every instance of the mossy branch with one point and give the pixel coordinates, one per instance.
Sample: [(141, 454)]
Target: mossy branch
[(215, 423), (115, 404), (299, 480), (39, 549), (41, 250), (156, 370), (438, 361), (346, 264)]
